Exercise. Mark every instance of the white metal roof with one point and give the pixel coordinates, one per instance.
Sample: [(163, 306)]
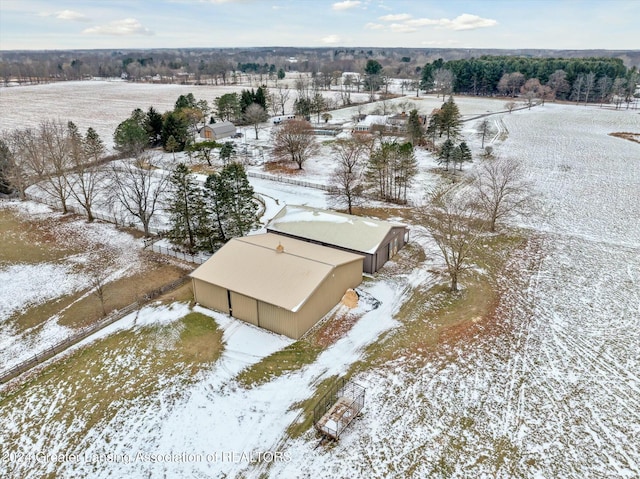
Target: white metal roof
[(223, 127), (352, 232), (253, 266)]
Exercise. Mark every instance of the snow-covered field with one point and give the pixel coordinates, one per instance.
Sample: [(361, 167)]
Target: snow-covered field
[(555, 391), (103, 105), (548, 388)]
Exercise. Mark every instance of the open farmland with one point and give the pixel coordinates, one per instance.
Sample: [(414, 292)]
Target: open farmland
[(546, 386), (549, 386)]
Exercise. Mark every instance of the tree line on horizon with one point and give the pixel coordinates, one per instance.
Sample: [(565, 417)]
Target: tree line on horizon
[(575, 79)]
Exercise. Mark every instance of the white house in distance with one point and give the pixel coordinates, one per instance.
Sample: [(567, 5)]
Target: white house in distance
[(370, 122), (378, 241), (217, 131), (278, 283)]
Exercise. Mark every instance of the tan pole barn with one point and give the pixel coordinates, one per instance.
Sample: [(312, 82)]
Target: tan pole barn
[(378, 241), (278, 283)]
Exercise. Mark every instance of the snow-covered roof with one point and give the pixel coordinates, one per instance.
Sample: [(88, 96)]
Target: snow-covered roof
[(254, 267), (352, 232), (371, 120)]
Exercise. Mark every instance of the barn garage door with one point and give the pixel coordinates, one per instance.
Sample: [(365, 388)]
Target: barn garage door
[(245, 308), (211, 296)]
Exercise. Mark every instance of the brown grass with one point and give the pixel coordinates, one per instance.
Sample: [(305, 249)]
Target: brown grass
[(283, 168), (625, 135), (35, 241), (100, 380), (121, 293)]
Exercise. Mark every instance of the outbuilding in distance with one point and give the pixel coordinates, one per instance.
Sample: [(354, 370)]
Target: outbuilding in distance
[(217, 131), (376, 240), (274, 282)]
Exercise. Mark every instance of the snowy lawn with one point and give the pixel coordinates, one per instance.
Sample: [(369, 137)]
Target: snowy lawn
[(549, 386), (546, 386), (48, 270)]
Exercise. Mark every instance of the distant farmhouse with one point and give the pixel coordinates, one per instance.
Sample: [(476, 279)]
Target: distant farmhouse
[(370, 122), (378, 241), (275, 282), (217, 131)]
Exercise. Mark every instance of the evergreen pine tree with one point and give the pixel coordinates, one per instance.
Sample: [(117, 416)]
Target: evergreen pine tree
[(6, 160), (445, 154), (174, 125), (450, 119), (433, 129), (93, 145), (261, 97), (153, 125), (227, 152), (406, 170), (231, 210), (187, 210), (240, 206), (415, 131), (390, 171), (215, 197), (465, 154)]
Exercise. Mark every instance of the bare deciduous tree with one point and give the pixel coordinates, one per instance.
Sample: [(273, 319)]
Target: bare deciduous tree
[(16, 170), (280, 99), (295, 141), (443, 81), (138, 188), (98, 278), (451, 220), (346, 181), (47, 153), (254, 115), (510, 105), (502, 190), (531, 90), (484, 129), (510, 83), (86, 174)]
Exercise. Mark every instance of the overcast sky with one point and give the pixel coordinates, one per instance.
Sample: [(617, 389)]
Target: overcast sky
[(88, 24)]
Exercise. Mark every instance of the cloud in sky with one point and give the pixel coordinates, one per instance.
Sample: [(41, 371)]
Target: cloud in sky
[(331, 39), (465, 21), (71, 15), (128, 26), (346, 5), (61, 24), (395, 18), (402, 28), (374, 26)]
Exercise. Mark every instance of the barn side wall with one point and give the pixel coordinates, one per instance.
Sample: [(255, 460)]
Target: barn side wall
[(328, 294), (382, 253), (278, 320), (210, 296)]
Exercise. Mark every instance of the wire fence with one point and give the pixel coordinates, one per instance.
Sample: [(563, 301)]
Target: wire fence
[(116, 219), (284, 179), (85, 332), (197, 259)]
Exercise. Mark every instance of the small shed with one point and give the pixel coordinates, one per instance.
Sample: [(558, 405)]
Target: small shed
[(376, 240), (274, 282), (217, 131)]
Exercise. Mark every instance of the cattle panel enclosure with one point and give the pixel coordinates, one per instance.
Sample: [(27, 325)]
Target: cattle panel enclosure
[(338, 408)]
